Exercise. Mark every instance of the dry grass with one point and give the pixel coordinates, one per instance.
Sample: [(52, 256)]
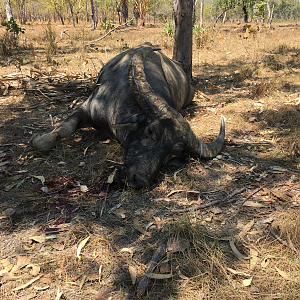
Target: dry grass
[(255, 84)]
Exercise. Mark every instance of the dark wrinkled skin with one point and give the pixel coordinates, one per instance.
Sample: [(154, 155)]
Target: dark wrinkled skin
[(153, 147), (115, 111)]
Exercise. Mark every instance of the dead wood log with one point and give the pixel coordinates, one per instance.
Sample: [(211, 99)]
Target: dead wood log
[(159, 253)]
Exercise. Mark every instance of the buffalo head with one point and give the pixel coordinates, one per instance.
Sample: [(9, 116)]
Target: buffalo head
[(162, 136)]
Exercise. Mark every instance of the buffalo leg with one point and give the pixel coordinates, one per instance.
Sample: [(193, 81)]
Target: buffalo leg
[(65, 129)]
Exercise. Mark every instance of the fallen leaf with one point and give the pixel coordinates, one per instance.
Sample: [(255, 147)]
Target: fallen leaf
[(5, 262), (159, 276), (8, 276), (120, 212), (111, 177), (253, 204), (130, 251), (132, 272), (21, 262), (41, 288), (164, 268), (28, 297), (23, 286), (58, 246), (235, 272), (84, 188), (44, 189), (216, 210), (245, 229), (236, 252), (247, 282), (16, 177), (47, 279), (81, 245), (41, 178), (9, 187), (265, 262), (283, 274), (35, 269)]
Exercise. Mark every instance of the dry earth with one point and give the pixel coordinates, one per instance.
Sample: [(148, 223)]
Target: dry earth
[(69, 232)]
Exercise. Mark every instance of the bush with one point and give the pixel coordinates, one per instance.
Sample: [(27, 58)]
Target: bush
[(51, 46), (8, 43), (203, 36), (106, 24), (168, 29)]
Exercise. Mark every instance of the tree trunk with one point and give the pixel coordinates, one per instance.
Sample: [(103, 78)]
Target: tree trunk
[(201, 12), (93, 14), (246, 16), (224, 17), (71, 10), (183, 33), (9, 13)]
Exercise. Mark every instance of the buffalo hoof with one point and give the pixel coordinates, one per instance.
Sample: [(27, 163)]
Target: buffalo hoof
[(42, 142)]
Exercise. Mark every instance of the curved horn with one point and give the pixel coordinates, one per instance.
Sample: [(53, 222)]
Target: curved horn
[(148, 100), (207, 150)]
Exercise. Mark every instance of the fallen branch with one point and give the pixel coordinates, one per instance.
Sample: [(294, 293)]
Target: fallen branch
[(235, 192), (202, 106), (237, 143), (159, 253), (284, 242), (109, 32)]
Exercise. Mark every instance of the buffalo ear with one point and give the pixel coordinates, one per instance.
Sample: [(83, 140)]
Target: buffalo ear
[(129, 123)]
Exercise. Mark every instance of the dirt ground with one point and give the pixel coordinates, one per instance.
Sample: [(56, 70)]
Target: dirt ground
[(67, 231)]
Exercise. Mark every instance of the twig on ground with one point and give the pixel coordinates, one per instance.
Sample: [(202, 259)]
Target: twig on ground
[(238, 143), (284, 242), (253, 193), (44, 94), (235, 192), (202, 106), (204, 96), (109, 32), (159, 253)]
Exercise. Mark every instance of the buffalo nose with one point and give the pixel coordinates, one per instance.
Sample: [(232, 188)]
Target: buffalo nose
[(138, 182)]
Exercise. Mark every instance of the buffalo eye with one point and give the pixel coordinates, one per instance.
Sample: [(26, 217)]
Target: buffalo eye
[(149, 132)]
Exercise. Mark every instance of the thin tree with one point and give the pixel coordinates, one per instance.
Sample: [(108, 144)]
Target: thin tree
[(71, 10), (183, 33), (9, 13), (93, 14)]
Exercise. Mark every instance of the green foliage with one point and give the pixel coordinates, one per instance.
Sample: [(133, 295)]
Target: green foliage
[(168, 29), (106, 24), (12, 26), (203, 36)]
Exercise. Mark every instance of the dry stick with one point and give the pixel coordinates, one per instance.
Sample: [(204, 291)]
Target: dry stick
[(284, 242), (202, 106), (159, 253), (253, 193), (235, 192), (109, 32)]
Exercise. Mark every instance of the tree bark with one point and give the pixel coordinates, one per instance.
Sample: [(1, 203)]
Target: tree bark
[(201, 12), (246, 16), (9, 13), (183, 33), (71, 10), (93, 14)]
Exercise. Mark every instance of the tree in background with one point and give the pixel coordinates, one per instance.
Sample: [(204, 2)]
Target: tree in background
[(140, 6), (57, 6), (183, 33), (9, 13)]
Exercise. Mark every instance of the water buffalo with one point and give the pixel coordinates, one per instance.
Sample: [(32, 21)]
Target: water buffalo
[(136, 100)]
